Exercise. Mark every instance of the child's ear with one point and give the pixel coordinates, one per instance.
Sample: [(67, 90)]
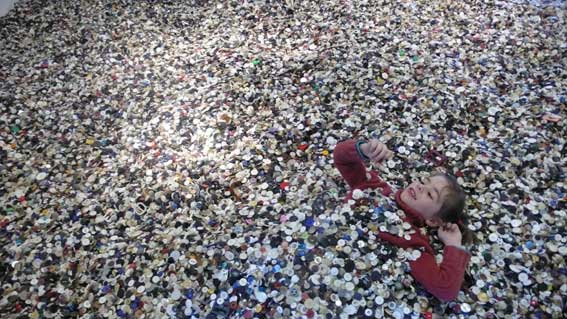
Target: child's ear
[(434, 222)]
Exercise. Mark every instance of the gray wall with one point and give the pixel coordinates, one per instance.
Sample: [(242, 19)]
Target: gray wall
[(5, 6)]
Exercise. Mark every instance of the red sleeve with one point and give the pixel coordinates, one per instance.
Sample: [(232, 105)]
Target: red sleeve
[(348, 162), (444, 280)]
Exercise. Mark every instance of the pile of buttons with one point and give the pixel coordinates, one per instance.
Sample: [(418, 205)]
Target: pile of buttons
[(173, 159)]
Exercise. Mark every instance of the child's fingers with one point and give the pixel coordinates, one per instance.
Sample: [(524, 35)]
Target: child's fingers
[(457, 229), (378, 159), (372, 146), (453, 227), (375, 152), (380, 153)]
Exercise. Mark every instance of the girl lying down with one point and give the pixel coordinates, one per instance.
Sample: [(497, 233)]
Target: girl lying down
[(438, 202)]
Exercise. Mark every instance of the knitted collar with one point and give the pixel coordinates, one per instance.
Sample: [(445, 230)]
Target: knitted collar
[(414, 217)]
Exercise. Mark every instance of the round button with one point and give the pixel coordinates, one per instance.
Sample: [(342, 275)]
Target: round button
[(465, 307), (523, 277), (379, 300)]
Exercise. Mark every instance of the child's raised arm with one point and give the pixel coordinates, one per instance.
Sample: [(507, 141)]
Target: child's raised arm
[(349, 155)]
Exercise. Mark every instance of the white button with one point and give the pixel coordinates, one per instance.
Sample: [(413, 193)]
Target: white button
[(379, 300)]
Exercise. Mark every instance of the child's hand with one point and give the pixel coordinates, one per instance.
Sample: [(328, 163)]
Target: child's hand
[(450, 234), (376, 151)]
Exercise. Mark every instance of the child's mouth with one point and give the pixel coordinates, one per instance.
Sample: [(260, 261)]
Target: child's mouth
[(412, 193)]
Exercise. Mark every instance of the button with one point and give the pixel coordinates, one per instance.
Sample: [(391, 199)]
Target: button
[(379, 300)]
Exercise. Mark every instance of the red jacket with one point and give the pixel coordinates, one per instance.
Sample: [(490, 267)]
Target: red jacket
[(441, 280)]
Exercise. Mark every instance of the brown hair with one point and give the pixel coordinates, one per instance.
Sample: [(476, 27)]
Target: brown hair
[(453, 208)]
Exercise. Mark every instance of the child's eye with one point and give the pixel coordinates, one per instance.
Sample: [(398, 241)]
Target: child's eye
[(430, 195)]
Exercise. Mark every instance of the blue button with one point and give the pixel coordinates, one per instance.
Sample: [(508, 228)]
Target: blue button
[(529, 244), (309, 222), (378, 210)]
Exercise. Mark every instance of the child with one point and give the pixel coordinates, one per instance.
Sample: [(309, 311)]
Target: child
[(438, 202)]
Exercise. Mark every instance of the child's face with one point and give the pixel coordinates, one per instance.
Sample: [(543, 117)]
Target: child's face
[(426, 197)]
